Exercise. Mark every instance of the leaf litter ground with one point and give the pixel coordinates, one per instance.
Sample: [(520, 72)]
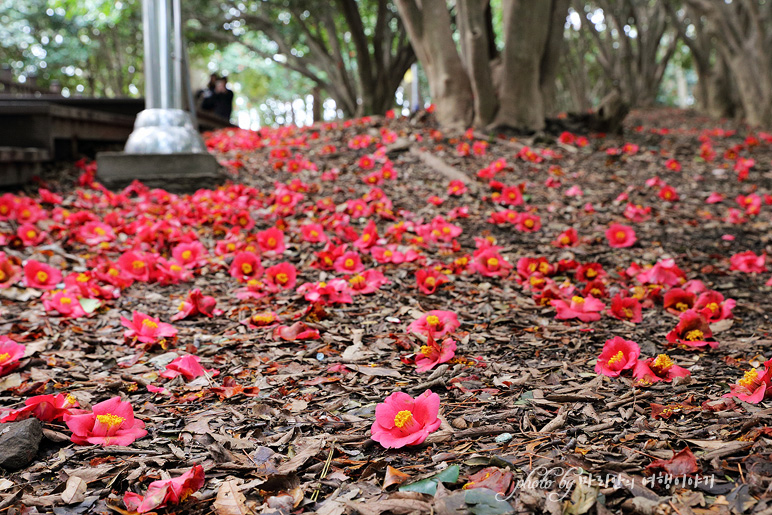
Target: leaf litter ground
[(283, 429)]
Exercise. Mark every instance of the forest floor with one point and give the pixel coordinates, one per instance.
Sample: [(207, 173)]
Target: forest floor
[(285, 426)]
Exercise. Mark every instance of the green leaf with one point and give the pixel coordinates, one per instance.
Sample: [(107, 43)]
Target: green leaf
[(483, 501), (524, 398), (89, 305), (429, 485)]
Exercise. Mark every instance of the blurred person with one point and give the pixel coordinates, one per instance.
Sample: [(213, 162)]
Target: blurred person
[(220, 101)]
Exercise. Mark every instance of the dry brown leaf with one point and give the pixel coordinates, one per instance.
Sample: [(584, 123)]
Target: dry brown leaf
[(230, 500)]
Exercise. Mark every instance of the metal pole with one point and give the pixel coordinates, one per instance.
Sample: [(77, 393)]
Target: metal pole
[(178, 54), (151, 53), (415, 93), (164, 61)]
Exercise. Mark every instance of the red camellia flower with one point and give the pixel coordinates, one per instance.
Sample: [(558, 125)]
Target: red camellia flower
[(271, 241), (137, 265), (626, 308), (586, 309), (187, 366), (264, 319), (392, 254), (528, 222), (668, 193), (46, 408), (436, 323), (457, 188), (333, 292), (111, 422), (401, 420), (661, 368), (146, 329), (246, 266), (368, 281), (281, 277), (197, 304), (511, 196), (30, 235), (10, 354), (9, 272), (490, 263), (313, 233), (432, 354), (637, 213), (672, 164), (368, 238), (65, 302), (428, 279), (166, 492), (620, 236), (190, 255), (567, 238), (692, 331), (349, 262), (297, 331), (748, 262), (678, 300), (41, 276), (714, 307), (617, 356), (754, 385)]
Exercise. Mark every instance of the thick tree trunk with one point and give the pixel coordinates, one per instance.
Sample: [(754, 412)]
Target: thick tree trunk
[(476, 46), (429, 29), (551, 56), (521, 104)]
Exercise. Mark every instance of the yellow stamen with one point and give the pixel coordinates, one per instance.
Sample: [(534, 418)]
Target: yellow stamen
[(271, 242), (246, 268), (138, 264), (82, 278), (680, 306), (100, 231), (357, 280), (694, 335), (3, 276), (4, 357), (110, 420), (349, 263), (181, 307), (433, 320), (31, 234), (661, 364), (713, 307), (175, 268), (529, 223), (113, 272), (590, 272), (616, 358), (492, 262), (403, 418), (186, 255), (620, 235), (749, 380), (576, 299), (565, 240), (41, 276), (426, 350), (628, 312), (65, 300), (149, 324), (430, 281), (282, 278)]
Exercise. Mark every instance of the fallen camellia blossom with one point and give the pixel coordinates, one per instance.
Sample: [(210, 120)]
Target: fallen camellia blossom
[(489, 263), (618, 355), (297, 331), (187, 366), (748, 262), (46, 408), (41, 276), (10, 354), (661, 368), (197, 304), (436, 323), (401, 420), (432, 354), (146, 329), (714, 307), (692, 331), (626, 308), (620, 236), (110, 422), (586, 309), (166, 492), (428, 279), (754, 385), (683, 463)]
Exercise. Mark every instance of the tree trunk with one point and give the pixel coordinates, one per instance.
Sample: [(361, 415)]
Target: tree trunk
[(521, 104), (316, 107), (551, 57), (476, 45), (429, 29)]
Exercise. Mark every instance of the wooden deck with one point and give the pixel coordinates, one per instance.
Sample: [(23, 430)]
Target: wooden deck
[(34, 130)]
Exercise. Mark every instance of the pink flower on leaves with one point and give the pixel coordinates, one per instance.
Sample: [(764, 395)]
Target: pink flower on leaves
[(618, 355), (166, 491), (187, 366), (436, 323), (620, 236), (401, 420), (111, 422), (10, 354), (586, 309), (146, 329), (432, 354)]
